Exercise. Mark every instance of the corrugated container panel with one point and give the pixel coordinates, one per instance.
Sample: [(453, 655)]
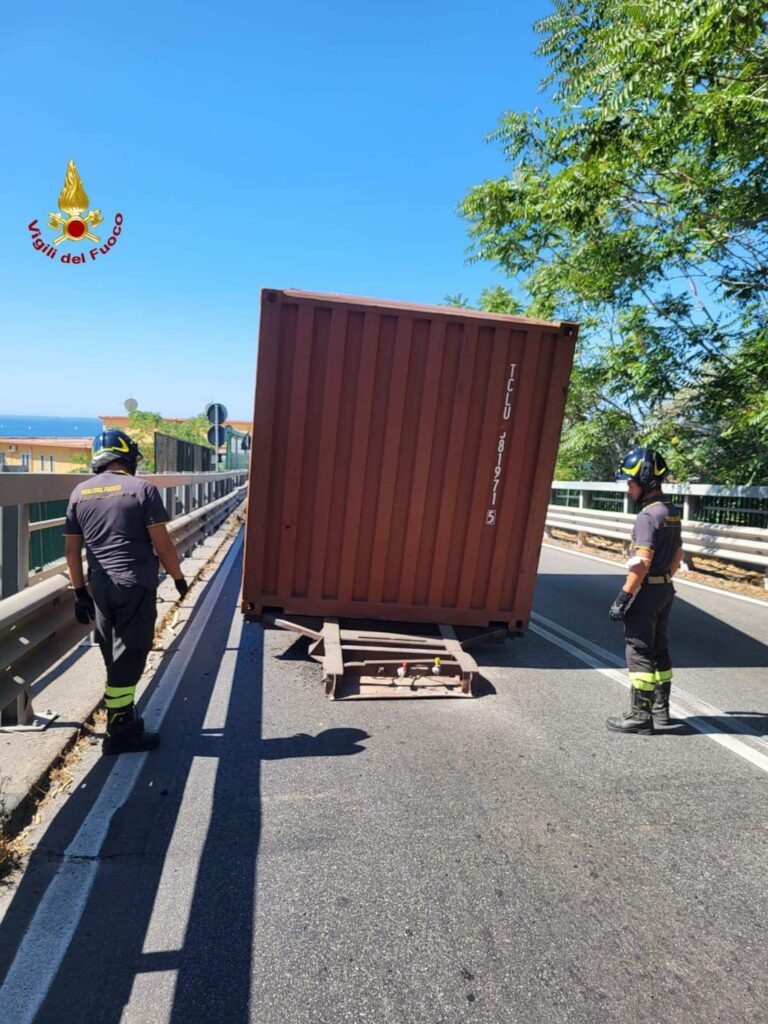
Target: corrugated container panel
[(402, 459)]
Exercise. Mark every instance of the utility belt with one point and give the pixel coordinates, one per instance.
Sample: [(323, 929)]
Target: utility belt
[(666, 578)]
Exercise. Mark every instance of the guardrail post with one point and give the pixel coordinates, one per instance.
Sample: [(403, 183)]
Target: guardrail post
[(691, 503), (187, 499), (585, 501), (14, 553), (170, 501)]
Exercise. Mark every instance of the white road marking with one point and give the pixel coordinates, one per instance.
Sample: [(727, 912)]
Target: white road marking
[(173, 902), (170, 910), (678, 578), (218, 705), (58, 914), (595, 657), (152, 998)]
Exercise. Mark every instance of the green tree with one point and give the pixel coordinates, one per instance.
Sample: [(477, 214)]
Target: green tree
[(639, 207), (194, 429), (143, 424), (491, 300), (80, 463), (458, 300)]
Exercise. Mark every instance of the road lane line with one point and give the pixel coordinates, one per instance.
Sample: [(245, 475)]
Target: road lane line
[(678, 577), (58, 914), (168, 923), (688, 703), (218, 705), (152, 998), (730, 742)]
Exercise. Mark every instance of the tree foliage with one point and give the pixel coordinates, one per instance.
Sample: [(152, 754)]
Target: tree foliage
[(79, 462), (143, 424), (639, 207), (491, 300)]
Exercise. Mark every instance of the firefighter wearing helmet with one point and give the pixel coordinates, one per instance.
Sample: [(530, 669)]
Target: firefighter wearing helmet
[(121, 520), (645, 600)]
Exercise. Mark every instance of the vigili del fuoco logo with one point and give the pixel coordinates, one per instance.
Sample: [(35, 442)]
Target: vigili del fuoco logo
[(74, 225)]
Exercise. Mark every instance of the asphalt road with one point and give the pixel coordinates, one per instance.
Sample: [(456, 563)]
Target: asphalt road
[(283, 859)]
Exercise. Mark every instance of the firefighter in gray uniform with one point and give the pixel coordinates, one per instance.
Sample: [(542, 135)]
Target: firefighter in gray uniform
[(122, 521), (645, 600)]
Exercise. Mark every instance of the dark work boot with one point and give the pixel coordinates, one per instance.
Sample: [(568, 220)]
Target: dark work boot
[(126, 734), (639, 718), (660, 707)]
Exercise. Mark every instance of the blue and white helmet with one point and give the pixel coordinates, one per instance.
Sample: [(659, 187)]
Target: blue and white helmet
[(645, 466), (113, 446)]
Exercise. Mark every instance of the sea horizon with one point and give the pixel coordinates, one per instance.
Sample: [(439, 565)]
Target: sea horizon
[(49, 426)]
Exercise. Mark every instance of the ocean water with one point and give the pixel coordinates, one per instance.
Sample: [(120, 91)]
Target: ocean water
[(49, 426)]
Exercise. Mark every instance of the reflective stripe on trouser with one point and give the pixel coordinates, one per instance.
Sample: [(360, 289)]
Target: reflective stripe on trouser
[(643, 680), (647, 640), (119, 696)]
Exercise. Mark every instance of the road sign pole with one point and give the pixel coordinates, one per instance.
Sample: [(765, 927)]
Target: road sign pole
[(217, 414)]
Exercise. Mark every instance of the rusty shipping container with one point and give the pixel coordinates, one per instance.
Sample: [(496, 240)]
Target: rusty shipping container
[(402, 460)]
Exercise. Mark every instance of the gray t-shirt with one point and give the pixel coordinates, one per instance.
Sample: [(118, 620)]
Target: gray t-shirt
[(657, 530), (114, 513)]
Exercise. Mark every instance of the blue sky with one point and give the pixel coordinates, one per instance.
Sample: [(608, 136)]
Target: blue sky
[(322, 147)]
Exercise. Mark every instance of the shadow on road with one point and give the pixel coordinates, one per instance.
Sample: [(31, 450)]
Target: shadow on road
[(735, 724), (194, 963), (298, 651), (329, 743), (697, 639)]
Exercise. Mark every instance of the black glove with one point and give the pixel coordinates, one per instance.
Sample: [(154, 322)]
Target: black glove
[(618, 609), (182, 586), (85, 609)]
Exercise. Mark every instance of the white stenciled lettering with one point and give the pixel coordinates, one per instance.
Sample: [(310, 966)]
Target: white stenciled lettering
[(510, 389), (501, 444)]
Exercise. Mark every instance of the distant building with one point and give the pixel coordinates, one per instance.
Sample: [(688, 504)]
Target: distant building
[(42, 454)]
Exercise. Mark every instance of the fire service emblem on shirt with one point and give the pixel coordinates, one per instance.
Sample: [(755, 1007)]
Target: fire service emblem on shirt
[(74, 225)]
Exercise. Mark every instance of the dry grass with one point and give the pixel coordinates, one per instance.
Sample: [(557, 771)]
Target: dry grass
[(709, 571), (16, 832), (13, 850)]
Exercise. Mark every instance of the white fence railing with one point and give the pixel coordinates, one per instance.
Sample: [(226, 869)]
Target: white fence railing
[(182, 493), (690, 497), (743, 545)]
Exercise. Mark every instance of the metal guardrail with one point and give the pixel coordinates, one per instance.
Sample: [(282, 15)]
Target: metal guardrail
[(182, 494), (32, 616), (740, 544)]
